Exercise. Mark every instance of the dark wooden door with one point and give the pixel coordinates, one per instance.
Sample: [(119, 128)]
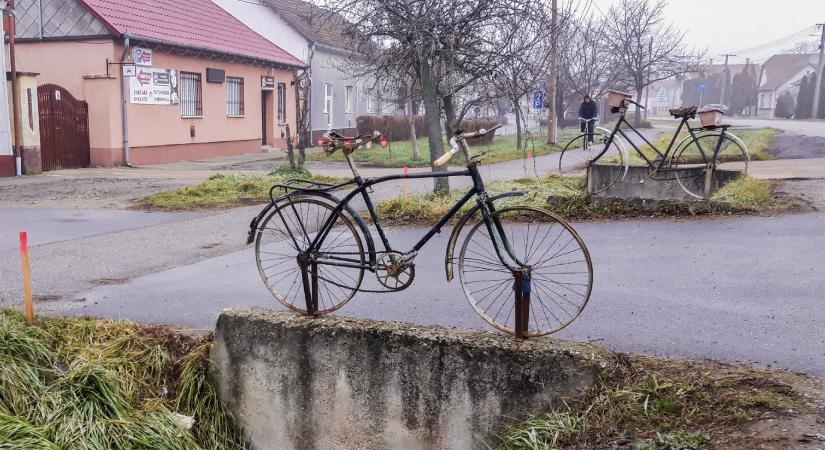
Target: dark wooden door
[(264, 128), (64, 128)]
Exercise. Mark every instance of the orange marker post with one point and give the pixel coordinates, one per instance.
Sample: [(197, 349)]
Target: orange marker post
[(404, 183), (27, 279)]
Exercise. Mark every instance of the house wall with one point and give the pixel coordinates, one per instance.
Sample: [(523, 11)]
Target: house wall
[(266, 22), (158, 133), (325, 70), (767, 99)]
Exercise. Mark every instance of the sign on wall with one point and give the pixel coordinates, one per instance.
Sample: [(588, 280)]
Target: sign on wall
[(152, 86), (143, 56)]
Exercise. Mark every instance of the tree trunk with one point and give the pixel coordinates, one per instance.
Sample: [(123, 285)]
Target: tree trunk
[(411, 117), (449, 113), (637, 117), (517, 110), (289, 150), (433, 114)]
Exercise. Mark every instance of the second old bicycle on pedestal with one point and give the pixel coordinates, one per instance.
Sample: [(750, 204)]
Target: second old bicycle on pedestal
[(691, 158), (523, 269)]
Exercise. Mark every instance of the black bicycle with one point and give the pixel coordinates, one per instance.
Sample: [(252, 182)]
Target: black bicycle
[(525, 270), (692, 161)]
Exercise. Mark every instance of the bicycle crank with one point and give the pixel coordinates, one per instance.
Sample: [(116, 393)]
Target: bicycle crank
[(394, 271)]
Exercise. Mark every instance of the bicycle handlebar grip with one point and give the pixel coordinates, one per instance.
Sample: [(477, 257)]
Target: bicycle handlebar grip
[(444, 158)]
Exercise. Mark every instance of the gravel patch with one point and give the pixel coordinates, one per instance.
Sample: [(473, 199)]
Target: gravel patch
[(793, 146), (115, 193)]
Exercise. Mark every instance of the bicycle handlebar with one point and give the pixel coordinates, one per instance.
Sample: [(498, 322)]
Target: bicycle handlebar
[(454, 146)]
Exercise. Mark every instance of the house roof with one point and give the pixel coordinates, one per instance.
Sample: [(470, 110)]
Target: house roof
[(317, 24), (199, 24), (779, 69)]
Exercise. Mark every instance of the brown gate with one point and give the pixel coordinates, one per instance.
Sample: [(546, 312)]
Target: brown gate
[(64, 128)]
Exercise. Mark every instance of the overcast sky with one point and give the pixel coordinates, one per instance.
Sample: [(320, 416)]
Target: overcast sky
[(728, 26)]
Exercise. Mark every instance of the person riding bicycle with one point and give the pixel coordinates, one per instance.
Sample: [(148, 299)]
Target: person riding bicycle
[(588, 111)]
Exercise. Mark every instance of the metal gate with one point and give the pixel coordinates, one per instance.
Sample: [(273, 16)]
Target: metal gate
[(64, 128)]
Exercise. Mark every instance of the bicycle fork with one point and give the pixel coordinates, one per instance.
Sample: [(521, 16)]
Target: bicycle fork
[(522, 273)]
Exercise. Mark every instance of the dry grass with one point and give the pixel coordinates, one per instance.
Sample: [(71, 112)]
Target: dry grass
[(566, 196), (77, 383), (658, 404), (223, 190)]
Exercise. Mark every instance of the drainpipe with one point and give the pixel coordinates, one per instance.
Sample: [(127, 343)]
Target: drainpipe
[(17, 150), (309, 94), (124, 103)]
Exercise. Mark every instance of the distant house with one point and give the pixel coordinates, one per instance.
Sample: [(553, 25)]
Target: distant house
[(780, 74), (662, 96), (321, 40), (196, 82)]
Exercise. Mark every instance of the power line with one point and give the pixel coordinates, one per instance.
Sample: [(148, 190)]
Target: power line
[(777, 42)]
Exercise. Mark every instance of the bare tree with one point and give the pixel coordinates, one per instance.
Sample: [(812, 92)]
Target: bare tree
[(644, 46), (586, 62), (447, 46)]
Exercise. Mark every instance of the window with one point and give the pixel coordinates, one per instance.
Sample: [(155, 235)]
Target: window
[(234, 96), (327, 98), (281, 103), (191, 104), (349, 99), (371, 101)]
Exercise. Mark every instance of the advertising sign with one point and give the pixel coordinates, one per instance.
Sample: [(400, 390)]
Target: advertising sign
[(152, 86), (143, 56)]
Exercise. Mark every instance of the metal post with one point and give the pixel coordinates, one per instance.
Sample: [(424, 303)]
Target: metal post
[(819, 71), (521, 286), (725, 81), (15, 92), (649, 69), (551, 82)]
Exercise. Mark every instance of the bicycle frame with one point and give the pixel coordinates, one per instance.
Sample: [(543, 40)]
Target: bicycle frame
[(477, 190), (657, 167)]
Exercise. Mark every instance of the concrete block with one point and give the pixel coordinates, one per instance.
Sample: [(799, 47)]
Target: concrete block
[(339, 383), (637, 185)]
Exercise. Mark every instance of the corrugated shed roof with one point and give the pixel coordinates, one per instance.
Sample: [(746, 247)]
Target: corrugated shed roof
[(191, 23), (317, 24), (780, 68)]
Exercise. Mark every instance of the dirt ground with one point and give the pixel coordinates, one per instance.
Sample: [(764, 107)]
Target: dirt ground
[(57, 192), (794, 146), (811, 192)]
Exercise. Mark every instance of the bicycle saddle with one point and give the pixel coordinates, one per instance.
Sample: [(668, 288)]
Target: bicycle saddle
[(684, 111)]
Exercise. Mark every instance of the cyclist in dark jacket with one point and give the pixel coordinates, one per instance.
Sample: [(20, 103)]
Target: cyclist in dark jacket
[(588, 111)]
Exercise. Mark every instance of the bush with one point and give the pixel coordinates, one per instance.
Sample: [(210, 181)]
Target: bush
[(396, 128)]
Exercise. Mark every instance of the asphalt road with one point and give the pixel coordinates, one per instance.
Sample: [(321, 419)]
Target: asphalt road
[(746, 289)]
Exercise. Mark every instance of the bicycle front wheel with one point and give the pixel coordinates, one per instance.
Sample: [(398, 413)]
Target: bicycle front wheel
[(561, 272), (692, 159), (580, 152), (331, 275)]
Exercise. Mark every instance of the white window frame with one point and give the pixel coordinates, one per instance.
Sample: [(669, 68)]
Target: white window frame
[(235, 99), (281, 103), (371, 101), (328, 98), (349, 99)]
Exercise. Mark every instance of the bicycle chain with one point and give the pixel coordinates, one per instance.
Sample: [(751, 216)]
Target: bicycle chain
[(360, 289)]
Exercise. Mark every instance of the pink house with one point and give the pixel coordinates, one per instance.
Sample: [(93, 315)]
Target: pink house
[(162, 80)]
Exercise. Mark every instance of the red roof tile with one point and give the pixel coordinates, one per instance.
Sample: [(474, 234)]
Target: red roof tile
[(191, 23)]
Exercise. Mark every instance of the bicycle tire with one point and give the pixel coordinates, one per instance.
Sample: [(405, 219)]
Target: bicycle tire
[(532, 236), (277, 251), (577, 157), (690, 167)]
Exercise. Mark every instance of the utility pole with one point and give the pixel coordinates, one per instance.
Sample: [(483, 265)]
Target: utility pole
[(725, 80), (551, 83), (17, 151), (819, 71)]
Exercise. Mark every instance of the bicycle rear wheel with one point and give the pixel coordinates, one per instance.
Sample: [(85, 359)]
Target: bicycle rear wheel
[(330, 276), (691, 160), (560, 267), (579, 153)]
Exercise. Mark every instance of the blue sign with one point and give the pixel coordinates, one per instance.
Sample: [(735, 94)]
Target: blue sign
[(538, 100), (702, 87)]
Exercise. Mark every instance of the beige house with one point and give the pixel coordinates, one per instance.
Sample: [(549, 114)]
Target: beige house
[(157, 81)]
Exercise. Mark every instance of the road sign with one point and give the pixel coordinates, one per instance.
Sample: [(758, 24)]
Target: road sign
[(538, 100), (702, 87), (128, 70)]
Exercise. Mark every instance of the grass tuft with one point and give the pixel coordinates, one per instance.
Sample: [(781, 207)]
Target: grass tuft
[(79, 383), (225, 190), (655, 404)]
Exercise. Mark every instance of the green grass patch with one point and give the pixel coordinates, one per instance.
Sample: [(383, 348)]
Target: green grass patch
[(224, 190), (78, 383), (566, 196), (657, 404), (399, 154)]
